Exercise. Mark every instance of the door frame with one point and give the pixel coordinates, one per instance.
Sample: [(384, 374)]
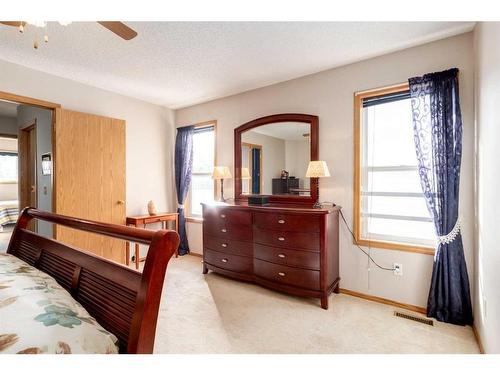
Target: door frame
[(23, 148), (56, 118)]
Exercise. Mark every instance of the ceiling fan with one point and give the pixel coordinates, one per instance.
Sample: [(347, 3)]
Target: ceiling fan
[(119, 28)]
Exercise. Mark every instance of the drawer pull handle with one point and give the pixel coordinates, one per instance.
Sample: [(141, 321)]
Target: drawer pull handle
[(281, 221), (224, 260), (281, 238), (223, 230), (224, 245), (281, 255), (223, 216), (281, 274)]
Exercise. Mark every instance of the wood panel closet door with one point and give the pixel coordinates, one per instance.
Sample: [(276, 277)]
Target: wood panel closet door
[(90, 178)]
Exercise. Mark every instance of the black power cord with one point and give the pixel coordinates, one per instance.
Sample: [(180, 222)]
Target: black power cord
[(359, 247)]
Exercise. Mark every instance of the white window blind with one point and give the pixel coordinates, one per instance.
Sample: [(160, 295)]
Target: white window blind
[(393, 207), (202, 185), (8, 166)]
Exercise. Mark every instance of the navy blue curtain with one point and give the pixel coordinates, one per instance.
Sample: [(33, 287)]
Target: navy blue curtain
[(183, 166), (437, 124)]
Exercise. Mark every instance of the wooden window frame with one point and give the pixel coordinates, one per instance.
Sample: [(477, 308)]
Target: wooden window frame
[(381, 244), (189, 217)]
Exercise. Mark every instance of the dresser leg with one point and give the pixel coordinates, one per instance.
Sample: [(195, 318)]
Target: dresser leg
[(324, 302), (336, 290), (205, 269)]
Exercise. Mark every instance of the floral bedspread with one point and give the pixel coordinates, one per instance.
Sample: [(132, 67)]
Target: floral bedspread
[(39, 316)]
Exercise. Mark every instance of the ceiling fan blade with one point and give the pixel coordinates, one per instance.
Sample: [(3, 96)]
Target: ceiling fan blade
[(13, 23), (119, 28)]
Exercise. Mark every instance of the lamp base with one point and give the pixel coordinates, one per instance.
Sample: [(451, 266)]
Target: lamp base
[(222, 199)]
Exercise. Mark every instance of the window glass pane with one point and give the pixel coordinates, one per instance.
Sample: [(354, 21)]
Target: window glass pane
[(399, 230), (404, 206), (8, 167), (203, 152), (393, 181), (387, 149), (389, 134), (202, 190)]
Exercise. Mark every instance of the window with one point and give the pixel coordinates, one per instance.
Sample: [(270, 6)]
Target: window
[(202, 184), (389, 208), (8, 166)]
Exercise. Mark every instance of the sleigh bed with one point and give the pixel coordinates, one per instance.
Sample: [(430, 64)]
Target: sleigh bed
[(91, 304)]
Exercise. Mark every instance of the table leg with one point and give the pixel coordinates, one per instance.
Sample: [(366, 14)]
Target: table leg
[(177, 230), (127, 250), (136, 256)]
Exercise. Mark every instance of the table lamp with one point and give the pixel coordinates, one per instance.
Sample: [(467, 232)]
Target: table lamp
[(221, 173), (317, 169)]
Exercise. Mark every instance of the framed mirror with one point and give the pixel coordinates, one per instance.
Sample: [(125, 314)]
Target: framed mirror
[(271, 155)]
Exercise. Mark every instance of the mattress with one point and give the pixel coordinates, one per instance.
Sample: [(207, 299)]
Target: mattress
[(38, 316)]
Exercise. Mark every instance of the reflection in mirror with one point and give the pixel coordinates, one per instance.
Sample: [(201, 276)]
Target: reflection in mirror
[(274, 159)]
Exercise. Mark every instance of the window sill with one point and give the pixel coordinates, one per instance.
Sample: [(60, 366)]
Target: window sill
[(194, 219), (396, 246)]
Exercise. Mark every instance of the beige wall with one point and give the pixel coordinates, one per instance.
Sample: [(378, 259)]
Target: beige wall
[(297, 155), (149, 130), (8, 125), (487, 262), (329, 95)]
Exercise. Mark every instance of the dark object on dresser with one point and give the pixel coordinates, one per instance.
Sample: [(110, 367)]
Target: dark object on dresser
[(124, 301), (258, 200), (283, 185), (287, 248)]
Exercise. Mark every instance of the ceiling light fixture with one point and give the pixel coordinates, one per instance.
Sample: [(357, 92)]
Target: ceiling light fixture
[(39, 24)]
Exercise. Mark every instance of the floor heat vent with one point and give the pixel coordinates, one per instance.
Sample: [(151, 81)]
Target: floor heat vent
[(417, 319)]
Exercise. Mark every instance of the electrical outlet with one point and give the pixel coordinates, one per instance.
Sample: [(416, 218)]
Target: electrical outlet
[(398, 269)]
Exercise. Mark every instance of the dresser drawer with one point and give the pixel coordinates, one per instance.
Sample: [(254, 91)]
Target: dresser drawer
[(229, 262), (297, 240), (286, 222), (287, 257), (227, 231), (227, 216), (301, 278), (228, 246)]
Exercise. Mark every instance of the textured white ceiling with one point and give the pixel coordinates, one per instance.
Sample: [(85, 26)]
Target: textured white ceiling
[(289, 131), (177, 64)]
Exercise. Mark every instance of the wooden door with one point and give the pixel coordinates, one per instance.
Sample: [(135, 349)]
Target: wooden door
[(27, 154), (90, 178)]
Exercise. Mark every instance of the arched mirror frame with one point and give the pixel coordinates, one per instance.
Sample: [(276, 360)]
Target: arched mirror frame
[(313, 122)]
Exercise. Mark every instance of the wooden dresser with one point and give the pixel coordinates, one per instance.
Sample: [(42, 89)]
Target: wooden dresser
[(283, 247)]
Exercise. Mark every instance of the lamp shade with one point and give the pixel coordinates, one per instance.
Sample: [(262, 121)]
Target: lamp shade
[(245, 174), (221, 173), (317, 168)]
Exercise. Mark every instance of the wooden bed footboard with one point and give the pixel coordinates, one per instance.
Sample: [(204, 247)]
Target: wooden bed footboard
[(124, 301)]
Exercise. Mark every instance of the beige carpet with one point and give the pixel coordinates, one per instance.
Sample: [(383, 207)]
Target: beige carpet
[(212, 314)]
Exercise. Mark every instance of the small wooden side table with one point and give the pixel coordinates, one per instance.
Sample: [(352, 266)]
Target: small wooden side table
[(143, 220)]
